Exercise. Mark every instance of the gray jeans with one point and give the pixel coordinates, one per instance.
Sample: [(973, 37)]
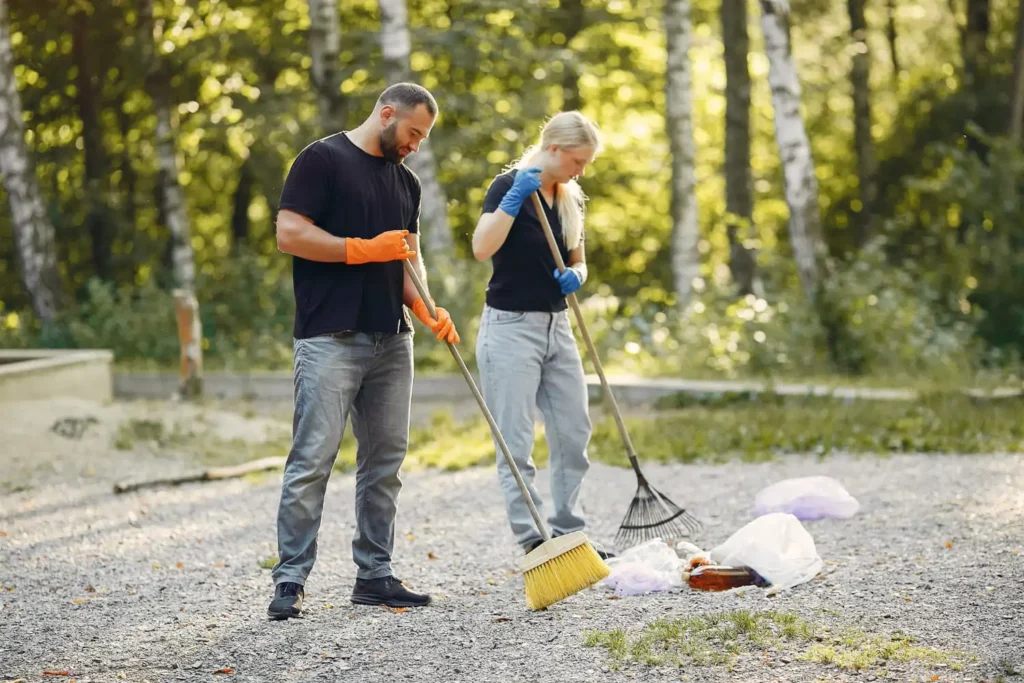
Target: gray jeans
[(527, 360), (369, 376)]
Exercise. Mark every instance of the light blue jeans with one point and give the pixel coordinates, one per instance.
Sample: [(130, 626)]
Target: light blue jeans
[(367, 375), (529, 359)]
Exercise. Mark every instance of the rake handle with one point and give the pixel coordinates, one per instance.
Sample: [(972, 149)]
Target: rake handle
[(609, 396), (483, 407)]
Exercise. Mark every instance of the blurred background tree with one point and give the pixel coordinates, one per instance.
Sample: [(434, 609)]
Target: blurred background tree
[(829, 190)]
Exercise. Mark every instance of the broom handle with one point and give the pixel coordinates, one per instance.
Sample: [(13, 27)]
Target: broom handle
[(483, 407), (586, 338)]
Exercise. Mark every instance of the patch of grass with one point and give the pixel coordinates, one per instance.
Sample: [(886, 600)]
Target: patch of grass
[(712, 639), (446, 444), (268, 563), (717, 639), (147, 431), (757, 428), (857, 650)]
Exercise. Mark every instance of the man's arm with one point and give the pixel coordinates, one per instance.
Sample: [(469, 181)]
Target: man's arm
[(298, 236)]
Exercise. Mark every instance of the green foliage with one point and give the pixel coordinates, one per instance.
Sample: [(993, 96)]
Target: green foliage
[(761, 427), (931, 298)]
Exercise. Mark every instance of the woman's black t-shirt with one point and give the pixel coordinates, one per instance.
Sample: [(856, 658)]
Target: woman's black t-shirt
[(523, 278)]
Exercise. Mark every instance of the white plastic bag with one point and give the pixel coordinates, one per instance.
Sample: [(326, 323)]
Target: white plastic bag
[(776, 546), (647, 568), (807, 498)]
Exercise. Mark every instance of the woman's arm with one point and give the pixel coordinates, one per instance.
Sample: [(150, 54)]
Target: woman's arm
[(490, 233)]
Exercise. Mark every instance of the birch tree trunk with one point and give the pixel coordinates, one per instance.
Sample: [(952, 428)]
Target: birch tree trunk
[(1017, 94), (33, 233), (679, 122), (801, 185), (860, 78), (158, 85), (325, 53), (190, 333), (435, 233), (739, 194)]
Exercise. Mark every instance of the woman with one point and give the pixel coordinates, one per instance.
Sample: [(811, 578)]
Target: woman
[(525, 349)]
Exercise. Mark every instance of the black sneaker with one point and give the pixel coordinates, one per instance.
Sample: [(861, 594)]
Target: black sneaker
[(287, 602), (388, 591)]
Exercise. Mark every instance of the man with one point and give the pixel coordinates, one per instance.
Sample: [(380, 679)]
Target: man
[(349, 218)]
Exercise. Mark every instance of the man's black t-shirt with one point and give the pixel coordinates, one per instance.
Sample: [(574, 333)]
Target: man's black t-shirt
[(350, 193), (523, 278)]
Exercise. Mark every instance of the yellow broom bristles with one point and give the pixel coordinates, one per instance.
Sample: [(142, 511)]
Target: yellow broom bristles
[(563, 575)]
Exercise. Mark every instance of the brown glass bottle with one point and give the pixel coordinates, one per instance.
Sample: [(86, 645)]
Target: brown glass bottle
[(717, 578)]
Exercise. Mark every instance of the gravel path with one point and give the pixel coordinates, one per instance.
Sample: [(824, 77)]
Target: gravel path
[(164, 585)]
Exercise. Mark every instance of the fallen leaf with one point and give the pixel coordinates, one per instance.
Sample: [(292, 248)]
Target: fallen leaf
[(613, 597), (949, 544), (3, 533), (499, 619), (225, 670), (934, 678), (50, 672), (431, 556), (908, 599), (410, 537), (122, 675), (397, 610), (179, 565), (156, 565), (79, 601), (483, 592), (491, 582), (90, 589), (219, 564), (330, 606)]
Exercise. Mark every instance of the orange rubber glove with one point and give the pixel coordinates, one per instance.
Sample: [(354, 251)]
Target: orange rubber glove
[(387, 246), (443, 326)]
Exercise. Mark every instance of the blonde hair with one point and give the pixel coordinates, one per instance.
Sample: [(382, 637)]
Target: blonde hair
[(567, 129)]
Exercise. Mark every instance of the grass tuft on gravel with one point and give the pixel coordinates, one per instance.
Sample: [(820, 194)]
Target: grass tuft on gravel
[(717, 639)]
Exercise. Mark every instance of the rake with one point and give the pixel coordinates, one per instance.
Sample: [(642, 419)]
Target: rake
[(651, 514)]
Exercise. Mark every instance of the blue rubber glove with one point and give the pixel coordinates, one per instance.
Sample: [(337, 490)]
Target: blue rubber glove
[(527, 182), (569, 281)]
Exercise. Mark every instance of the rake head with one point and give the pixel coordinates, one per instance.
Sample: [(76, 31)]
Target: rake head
[(652, 515)]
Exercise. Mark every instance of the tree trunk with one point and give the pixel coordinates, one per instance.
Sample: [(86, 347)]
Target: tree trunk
[(242, 200), (572, 22), (679, 121), (129, 179), (975, 41), (1017, 94), (890, 33), (325, 53), (34, 235), (801, 186), (97, 218), (436, 233), (739, 193), (860, 77), (158, 85)]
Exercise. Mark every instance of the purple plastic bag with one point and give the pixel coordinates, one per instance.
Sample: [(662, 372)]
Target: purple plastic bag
[(807, 498)]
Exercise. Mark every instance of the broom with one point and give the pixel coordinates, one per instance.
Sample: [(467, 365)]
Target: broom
[(558, 567), (650, 515)]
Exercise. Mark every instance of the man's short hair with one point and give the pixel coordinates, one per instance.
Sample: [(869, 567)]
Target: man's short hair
[(404, 96)]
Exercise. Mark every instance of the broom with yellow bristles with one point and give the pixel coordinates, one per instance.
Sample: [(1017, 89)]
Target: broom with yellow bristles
[(558, 567)]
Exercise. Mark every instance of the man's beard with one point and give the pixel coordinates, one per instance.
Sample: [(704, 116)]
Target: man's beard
[(389, 144)]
